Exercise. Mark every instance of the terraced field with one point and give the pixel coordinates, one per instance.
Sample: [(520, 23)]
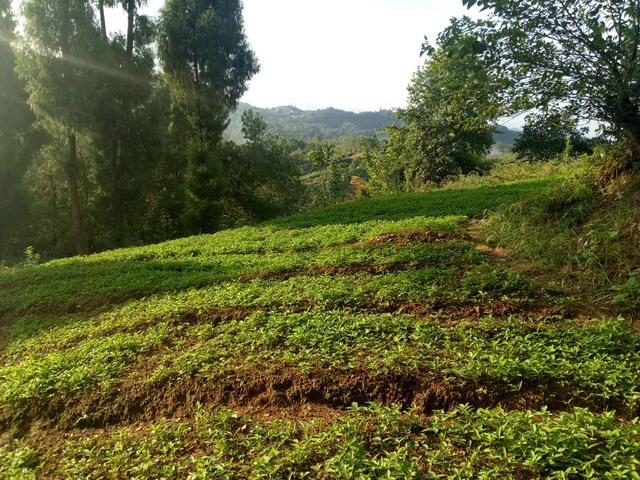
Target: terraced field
[(374, 339)]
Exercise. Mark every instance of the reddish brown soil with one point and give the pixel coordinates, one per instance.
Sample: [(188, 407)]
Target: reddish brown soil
[(335, 270), (277, 391), (427, 236)]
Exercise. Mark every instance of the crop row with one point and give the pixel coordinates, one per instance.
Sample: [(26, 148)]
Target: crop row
[(369, 442), (433, 287), (66, 285), (591, 364)]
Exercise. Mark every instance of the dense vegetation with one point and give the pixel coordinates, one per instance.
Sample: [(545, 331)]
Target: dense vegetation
[(579, 56), (445, 314), (109, 141), (550, 135), (250, 352)]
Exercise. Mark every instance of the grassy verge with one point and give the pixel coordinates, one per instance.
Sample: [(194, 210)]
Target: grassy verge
[(585, 230)]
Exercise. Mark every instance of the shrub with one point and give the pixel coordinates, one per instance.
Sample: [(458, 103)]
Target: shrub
[(549, 135)]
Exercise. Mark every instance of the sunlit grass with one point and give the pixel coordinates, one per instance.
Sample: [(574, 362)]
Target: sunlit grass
[(380, 300)]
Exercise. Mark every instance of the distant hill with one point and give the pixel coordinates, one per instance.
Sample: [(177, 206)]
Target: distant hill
[(506, 135), (330, 124), (504, 139)]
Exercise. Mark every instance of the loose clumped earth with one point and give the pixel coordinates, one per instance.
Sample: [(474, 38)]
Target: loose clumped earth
[(376, 339)]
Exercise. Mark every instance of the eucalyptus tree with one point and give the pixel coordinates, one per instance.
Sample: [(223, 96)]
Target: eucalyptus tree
[(125, 126), (57, 63), (17, 137), (207, 62), (584, 54)]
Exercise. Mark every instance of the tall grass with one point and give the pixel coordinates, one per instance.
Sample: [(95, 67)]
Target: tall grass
[(506, 170), (584, 229)]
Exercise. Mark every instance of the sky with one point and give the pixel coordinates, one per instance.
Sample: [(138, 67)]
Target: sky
[(349, 54), (354, 55)]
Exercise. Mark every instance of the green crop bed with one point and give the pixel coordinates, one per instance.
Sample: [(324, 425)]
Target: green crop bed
[(369, 340)]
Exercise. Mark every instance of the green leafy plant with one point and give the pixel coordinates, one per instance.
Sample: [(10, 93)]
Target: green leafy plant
[(627, 295)]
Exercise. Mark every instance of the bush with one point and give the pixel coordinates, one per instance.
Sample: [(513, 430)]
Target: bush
[(411, 160), (550, 135), (262, 176)]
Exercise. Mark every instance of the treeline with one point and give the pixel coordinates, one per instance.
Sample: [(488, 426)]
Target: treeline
[(569, 62), (113, 139)]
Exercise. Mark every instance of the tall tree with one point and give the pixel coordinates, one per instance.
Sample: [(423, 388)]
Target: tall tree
[(205, 54), (207, 63), (124, 122), (58, 65), (17, 137), (582, 53), (204, 188), (102, 4), (454, 104), (450, 117)]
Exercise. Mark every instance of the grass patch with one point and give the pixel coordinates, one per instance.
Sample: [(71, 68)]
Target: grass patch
[(436, 203), (583, 229)]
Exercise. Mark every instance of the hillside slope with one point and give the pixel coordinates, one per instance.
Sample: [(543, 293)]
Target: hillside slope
[(243, 354), (329, 124)]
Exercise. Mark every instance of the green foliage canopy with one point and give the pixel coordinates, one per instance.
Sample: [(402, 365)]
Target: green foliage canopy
[(207, 59), (263, 178), (581, 53), (207, 63), (17, 139), (450, 118), (546, 135)]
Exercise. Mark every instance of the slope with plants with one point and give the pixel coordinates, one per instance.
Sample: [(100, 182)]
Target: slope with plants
[(585, 231), (374, 339)]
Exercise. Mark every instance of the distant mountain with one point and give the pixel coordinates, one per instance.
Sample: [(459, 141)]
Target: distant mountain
[(506, 135), (504, 139), (331, 124)]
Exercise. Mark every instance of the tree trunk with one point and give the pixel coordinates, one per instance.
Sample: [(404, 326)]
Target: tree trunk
[(116, 163), (103, 22), (54, 206), (116, 194), (71, 171), (131, 12), (633, 134), (628, 118)]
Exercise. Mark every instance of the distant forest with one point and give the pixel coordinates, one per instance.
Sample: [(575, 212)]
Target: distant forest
[(329, 124)]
